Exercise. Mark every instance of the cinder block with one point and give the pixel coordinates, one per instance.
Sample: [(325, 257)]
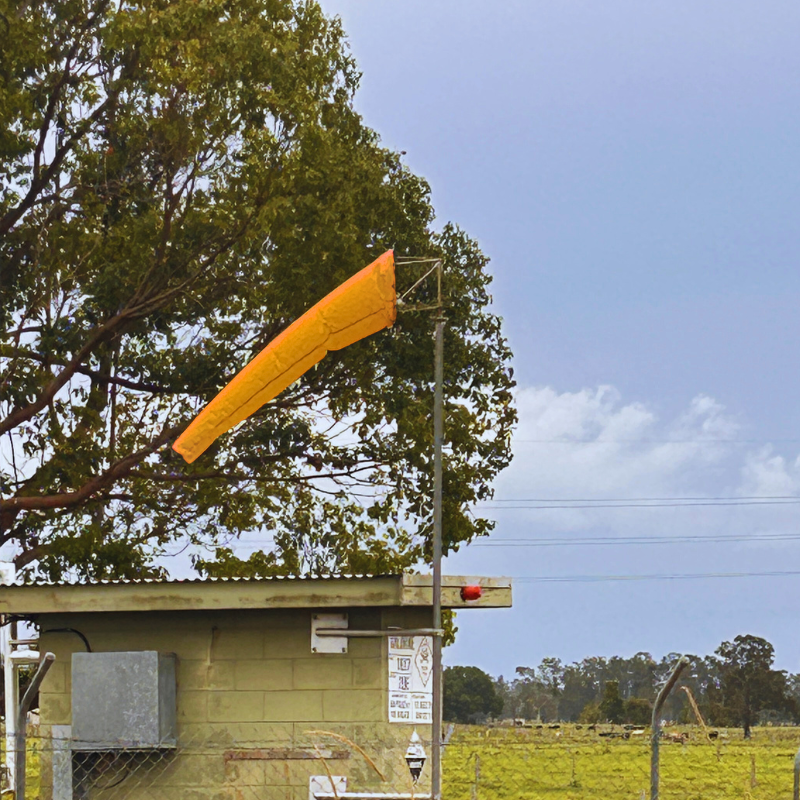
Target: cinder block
[(263, 674), (61, 645), (276, 773), (366, 648), (236, 735), (206, 675), (187, 641), (221, 675), (246, 773), (356, 705), (235, 706), (292, 643), (323, 673), (276, 793), (407, 617), (304, 735), (366, 618), (55, 709), (300, 772), (192, 706), (291, 706), (300, 792), (370, 673), (237, 644), (222, 793), (55, 681), (190, 769), (287, 618)]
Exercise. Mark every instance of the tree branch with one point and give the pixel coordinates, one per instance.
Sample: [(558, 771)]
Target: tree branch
[(38, 182), (9, 509)]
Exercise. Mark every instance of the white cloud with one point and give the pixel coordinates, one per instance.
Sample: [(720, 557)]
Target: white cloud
[(592, 444), (765, 473)]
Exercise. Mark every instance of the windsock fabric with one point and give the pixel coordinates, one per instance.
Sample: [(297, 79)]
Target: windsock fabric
[(361, 306)]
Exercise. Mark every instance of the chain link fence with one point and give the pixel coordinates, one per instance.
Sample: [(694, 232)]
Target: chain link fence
[(556, 762), (317, 764)]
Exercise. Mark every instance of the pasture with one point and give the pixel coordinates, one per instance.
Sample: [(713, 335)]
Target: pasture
[(573, 763)]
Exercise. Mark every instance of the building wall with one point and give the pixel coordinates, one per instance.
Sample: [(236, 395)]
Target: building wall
[(250, 696)]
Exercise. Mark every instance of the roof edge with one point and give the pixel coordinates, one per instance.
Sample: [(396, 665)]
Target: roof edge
[(338, 591)]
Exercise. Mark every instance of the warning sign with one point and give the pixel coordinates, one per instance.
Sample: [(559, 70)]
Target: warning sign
[(410, 679)]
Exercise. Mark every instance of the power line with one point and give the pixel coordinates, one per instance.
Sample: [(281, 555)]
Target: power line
[(642, 504), (653, 441), (656, 577), (640, 499), (636, 540)]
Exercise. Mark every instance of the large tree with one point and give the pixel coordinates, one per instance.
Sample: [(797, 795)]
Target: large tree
[(535, 692), (748, 682), (180, 181), (469, 695)]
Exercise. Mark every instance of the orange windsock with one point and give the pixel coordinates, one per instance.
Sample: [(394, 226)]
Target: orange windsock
[(358, 308)]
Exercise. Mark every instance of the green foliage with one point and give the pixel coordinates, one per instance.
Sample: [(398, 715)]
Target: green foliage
[(612, 706), (735, 686), (535, 692), (469, 695), (638, 711), (748, 682), (180, 181), (590, 714), (554, 690)]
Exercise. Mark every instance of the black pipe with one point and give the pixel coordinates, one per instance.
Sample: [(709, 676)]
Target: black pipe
[(72, 630)]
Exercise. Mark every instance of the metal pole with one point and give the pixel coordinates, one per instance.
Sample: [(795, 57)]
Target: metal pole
[(22, 720), (796, 794), (438, 437), (11, 699), (8, 574), (655, 725)]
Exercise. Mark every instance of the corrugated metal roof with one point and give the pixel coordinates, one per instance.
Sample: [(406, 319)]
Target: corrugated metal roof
[(173, 581), (331, 590)]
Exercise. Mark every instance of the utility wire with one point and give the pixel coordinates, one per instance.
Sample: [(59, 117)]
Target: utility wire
[(593, 541), (597, 541), (639, 499), (644, 504), (653, 441), (656, 577)]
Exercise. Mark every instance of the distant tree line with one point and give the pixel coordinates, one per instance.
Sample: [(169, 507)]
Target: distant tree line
[(736, 686)]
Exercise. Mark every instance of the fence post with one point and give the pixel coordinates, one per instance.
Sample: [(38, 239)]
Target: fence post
[(477, 776), (796, 794), (45, 663), (655, 725)]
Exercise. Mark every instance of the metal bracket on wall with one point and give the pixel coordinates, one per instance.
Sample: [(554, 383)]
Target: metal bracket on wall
[(334, 638), (356, 634)]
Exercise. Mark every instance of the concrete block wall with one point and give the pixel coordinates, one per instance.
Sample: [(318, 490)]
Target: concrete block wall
[(250, 694)]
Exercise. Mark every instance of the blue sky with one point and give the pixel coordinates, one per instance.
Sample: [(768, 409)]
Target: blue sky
[(632, 170)]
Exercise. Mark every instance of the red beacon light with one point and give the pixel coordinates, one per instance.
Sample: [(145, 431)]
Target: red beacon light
[(471, 593)]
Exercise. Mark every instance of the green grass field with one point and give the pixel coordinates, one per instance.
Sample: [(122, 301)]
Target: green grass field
[(577, 764)]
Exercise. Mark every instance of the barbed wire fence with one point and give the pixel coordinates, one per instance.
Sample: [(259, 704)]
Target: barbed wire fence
[(556, 762)]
